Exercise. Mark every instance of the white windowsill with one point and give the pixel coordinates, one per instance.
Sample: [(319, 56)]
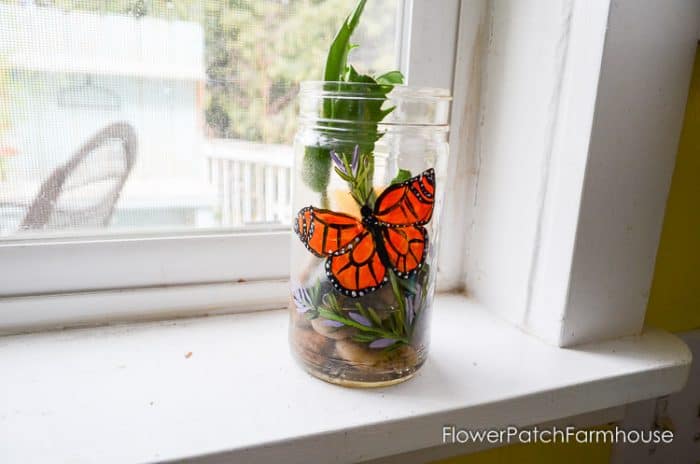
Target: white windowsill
[(129, 394)]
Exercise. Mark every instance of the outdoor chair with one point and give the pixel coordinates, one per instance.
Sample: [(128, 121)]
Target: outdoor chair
[(82, 192)]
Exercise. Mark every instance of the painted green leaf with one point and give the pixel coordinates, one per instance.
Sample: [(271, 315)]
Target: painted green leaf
[(401, 176)]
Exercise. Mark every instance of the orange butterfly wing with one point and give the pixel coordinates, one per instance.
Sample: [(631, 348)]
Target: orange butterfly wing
[(327, 233), (354, 265), (409, 203), (406, 248), (360, 270), (402, 210)]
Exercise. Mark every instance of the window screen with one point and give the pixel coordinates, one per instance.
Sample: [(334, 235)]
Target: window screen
[(121, 116)]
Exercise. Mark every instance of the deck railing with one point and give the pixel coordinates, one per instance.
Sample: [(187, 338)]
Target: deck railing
[(252, 180)]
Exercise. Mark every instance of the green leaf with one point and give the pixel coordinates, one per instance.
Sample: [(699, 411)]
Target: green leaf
[(338, 53), (362, 310), (353, 76), (398, 296), (409, 284), (316, 168), (365, 338), (342, 175), (390, 78), (374, 316), (401, 176), (386, 112), (379, 333), (366, 112)]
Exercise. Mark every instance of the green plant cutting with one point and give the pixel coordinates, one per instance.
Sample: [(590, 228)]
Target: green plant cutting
[(361, 117)]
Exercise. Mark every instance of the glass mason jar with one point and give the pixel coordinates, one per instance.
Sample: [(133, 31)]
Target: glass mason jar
[(367, 200)]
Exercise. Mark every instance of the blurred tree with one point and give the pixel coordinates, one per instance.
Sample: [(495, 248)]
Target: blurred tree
[(257, 52)]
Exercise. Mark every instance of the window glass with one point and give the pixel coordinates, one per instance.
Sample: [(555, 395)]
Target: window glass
[(127, 116)]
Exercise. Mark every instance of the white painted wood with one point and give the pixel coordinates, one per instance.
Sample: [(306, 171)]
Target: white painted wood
[(649, 54), (73, 265), (81, 395), (430, 43), (462, 168), (247, 193), (55, 311), (284, 196), (561, 179), (258, 193), (269, 194), (268, 154), (442, 50), (230, 161), (237, 215), (681, 411), (226, 194), (526, 53), (576, 144)]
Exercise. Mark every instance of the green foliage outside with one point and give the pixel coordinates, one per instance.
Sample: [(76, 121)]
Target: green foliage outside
[(257, 52)]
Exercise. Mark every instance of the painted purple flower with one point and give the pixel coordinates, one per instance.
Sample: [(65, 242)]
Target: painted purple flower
[(360, 319), (339, 164), (382, 343), (331, 323), (413, 302), (355, 159), (302, 299)]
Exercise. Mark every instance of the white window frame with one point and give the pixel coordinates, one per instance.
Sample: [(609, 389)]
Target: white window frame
[(54, 281), (580, 112), (538, 243)]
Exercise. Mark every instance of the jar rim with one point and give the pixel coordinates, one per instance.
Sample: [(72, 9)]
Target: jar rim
[(351, 89)]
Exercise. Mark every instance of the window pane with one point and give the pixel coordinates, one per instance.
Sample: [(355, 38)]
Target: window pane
[(140, 115)]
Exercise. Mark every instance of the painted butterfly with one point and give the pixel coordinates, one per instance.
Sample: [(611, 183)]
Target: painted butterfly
[(391, 235)]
